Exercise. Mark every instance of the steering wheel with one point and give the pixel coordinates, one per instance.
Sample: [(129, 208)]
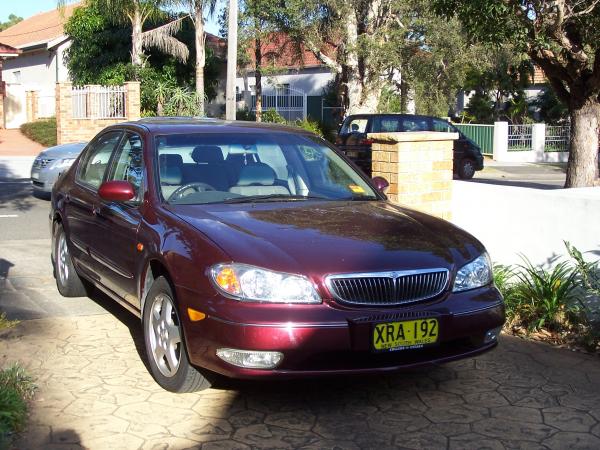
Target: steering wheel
[(198, 186)]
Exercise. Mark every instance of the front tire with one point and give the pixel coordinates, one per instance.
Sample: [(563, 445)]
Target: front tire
[(163, 339), (68, 282), (466, 169)]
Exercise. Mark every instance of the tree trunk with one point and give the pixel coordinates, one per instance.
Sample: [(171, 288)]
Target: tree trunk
[(200, 42), (258, 79), (582, 170), (136, 37)]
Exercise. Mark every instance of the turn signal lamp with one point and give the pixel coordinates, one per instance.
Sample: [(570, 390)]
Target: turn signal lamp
[(227, 280)]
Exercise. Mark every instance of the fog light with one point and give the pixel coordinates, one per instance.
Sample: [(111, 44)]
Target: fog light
[(250, 359), (492, 335)]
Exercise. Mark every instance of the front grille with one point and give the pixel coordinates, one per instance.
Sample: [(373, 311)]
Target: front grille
[(389, 288), (40, 163)]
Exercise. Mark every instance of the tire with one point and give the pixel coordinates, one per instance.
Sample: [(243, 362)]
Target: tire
[(68, 281), (164, 342), (466, 169)]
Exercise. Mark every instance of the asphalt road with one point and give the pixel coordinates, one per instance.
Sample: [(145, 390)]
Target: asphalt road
[(537, 176), (27, 286)]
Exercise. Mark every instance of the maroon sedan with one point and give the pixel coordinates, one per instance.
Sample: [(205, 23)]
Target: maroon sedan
[(257, 251)]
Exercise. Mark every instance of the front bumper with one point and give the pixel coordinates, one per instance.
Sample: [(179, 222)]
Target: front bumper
[(343, 346)]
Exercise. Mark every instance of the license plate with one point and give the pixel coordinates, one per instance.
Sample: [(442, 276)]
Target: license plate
[(405, 335)]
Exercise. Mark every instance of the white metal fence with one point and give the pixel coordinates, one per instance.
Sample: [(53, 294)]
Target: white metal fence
[(99, 102), (519, 137), (288, 102), (557, 138)]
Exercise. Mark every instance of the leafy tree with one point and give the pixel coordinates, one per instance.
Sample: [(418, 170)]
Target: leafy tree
[(138, 13), (563, 38), (12, 20), (551, 109)]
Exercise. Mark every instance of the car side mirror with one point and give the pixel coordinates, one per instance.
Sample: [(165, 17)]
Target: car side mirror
[(381, 184), (116, 191)]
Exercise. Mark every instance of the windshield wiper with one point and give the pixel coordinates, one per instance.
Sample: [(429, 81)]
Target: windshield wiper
[(273, 197)]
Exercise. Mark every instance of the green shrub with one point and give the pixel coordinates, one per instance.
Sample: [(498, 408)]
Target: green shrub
[(310, 125), (245, 114), (545, 297), (16, 387), (272, 116), (42, 131), (6, 323)]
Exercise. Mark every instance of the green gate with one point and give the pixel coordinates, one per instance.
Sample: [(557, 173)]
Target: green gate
[(482, 135)]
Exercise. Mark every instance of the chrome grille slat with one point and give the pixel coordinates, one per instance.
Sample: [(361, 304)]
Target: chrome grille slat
[(388, 288)]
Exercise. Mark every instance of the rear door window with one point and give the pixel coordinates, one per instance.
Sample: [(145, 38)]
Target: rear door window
[(385, 125), (415, 124)]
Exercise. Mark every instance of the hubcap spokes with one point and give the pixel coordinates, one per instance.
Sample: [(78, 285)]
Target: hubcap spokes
[(63, 254), (165, 338)]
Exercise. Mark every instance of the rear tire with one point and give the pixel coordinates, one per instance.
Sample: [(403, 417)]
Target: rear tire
[(68, 281), (164, 342), (466, 169)]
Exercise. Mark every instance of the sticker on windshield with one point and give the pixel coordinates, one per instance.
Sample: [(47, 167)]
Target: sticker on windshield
[(356, 189)]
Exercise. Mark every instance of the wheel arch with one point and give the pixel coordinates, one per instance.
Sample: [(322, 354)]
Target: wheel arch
[(154, 269)]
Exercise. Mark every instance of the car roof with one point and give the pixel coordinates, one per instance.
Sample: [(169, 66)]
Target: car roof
[(184, 125), (368, 115)]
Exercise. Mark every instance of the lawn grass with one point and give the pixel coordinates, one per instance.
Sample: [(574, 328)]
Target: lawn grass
[(42, 131), (16, 388)]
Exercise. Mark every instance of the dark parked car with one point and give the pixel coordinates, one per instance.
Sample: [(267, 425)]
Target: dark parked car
[(352, 139), (258, 251)]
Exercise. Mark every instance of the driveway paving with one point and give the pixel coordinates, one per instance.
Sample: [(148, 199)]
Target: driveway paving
[(95, 392)]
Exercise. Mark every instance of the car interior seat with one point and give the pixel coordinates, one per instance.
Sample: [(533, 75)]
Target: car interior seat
[(208, 167), (258, 179)]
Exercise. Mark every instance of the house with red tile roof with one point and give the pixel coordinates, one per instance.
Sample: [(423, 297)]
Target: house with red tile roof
[(289, 70), (41, 42)]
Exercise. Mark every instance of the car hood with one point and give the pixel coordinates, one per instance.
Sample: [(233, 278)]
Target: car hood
[(63, 151), (317, 238)]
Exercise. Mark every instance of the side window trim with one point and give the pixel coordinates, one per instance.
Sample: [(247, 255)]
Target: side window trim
[(89, 148)]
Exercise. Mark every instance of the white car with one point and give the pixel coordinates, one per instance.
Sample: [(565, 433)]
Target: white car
[(53, 161)]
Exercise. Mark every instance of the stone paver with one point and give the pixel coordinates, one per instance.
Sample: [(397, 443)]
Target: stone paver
[(95, 392), (14, 143)]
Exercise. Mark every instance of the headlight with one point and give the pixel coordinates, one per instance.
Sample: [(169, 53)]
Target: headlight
[(473, 275), (62, 163), (254, 284)]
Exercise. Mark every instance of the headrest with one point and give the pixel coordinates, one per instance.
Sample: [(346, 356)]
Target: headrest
[(256, 174), (171, 175), (170, 160), (203, 154)]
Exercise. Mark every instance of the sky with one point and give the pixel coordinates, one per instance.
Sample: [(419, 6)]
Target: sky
[(27, 8)]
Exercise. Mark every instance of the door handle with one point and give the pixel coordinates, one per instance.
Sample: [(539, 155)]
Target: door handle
[(96, 210)]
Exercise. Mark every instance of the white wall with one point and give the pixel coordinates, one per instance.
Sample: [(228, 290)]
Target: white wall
[(511, 220), (311, 81)]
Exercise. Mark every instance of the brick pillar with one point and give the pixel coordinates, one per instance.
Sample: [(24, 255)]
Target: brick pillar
[(1, 99), (64, 111), (418, 166), (132, 100)]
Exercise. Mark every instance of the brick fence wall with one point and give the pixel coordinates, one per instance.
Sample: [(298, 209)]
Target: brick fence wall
[(418, 166), (69, 129)]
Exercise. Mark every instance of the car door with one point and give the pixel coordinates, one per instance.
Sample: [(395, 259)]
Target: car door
[(354, 142), (82, 198), (117, 222)]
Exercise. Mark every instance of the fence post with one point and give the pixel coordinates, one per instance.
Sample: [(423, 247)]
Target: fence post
[(538, 141), (132, 100), (500, 148), (64, 110)]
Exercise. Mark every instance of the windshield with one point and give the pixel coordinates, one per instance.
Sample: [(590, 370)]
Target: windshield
[(237, 168)]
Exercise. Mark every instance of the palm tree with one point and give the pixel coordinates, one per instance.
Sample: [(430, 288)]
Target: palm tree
[(197, 9), (138, 12)]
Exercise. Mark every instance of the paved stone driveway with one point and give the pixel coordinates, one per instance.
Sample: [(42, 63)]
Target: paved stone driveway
[(95, 392)]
